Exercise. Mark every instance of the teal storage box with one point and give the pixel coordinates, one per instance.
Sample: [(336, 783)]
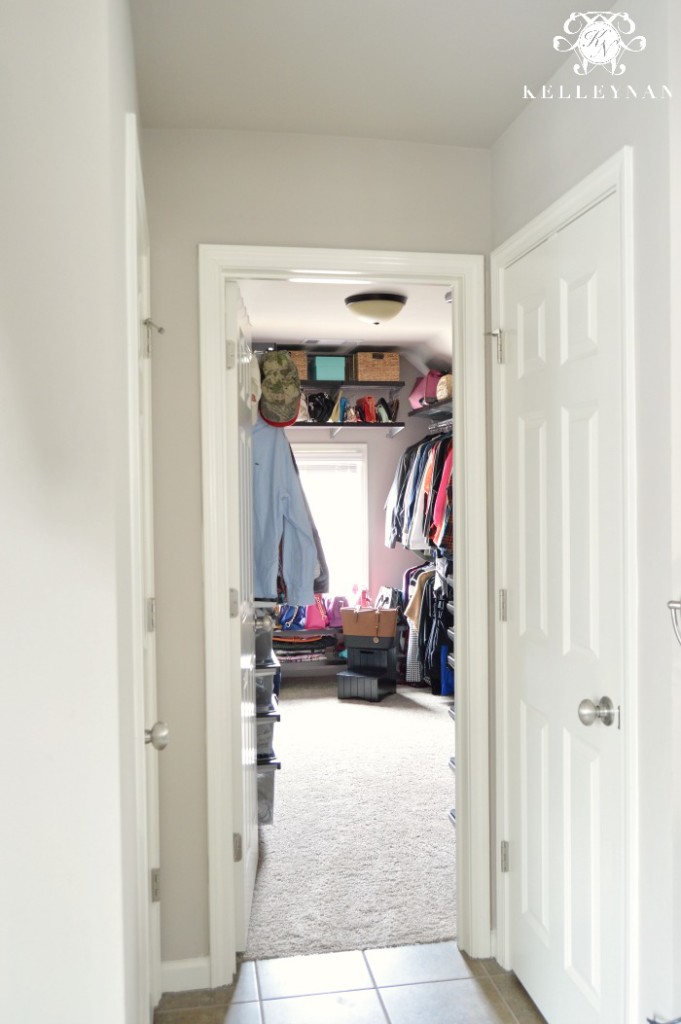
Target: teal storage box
[(328, 367)]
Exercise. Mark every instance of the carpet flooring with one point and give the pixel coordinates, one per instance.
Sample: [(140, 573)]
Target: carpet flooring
[(361, 853)]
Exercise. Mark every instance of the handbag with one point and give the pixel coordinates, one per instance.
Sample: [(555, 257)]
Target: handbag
[(444, 387), (373, 622), (320, 406), (316, 616), (366, 408), (303, 411), (334, 605), (424, 391)]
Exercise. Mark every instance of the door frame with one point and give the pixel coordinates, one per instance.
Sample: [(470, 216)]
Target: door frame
[(137, 251), (615, 177), (464, 274)]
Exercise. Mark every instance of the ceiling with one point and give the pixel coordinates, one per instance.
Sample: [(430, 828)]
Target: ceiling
[(445, 72), (280, 311)]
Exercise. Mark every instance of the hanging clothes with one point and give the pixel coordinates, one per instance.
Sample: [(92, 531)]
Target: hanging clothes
[(280, 517), (419, 506)]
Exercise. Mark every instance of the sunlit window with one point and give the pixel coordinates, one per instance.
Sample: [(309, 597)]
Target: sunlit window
[(334, 478)]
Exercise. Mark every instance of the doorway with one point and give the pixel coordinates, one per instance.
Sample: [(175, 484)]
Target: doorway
[(464, 275)]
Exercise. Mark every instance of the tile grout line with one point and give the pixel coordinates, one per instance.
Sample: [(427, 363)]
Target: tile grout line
[(376, 988), (502, 997)]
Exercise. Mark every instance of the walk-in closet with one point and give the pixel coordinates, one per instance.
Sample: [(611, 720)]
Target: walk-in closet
[(355, 667)]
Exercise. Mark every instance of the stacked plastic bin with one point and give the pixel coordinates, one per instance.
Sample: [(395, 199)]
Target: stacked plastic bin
[(267, 682), (372, 665)]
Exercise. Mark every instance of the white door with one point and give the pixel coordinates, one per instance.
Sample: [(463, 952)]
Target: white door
[(143, 682), (240, 547), (156, 738), (562, 456)]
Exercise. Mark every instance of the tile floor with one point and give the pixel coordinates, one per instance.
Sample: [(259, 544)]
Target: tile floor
[(429, 984)]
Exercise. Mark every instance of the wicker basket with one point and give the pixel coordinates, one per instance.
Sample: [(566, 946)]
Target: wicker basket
[(375, 366), (299, 360)]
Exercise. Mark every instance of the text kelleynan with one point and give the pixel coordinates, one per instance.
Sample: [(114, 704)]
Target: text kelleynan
[(597, 92)]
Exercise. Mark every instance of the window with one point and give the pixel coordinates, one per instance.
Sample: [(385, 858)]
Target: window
[(334, 478)]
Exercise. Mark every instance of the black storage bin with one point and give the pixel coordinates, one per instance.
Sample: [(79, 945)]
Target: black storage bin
[(376, 661), (360, 686)]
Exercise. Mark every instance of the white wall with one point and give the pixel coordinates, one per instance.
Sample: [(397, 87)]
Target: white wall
[(549, 148), (261, 189), (67, 943)]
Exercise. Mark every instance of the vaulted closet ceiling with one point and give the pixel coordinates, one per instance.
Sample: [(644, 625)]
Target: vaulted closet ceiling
[(280, 311), (446, 72)]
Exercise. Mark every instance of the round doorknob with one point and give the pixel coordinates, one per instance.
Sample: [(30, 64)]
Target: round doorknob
[(158, 735), (588, 711)]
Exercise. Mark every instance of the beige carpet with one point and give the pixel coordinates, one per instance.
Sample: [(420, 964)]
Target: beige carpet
[(361, 853)]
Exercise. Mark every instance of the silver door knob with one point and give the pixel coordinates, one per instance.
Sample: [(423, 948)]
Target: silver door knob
[(588, 711), (158, 735)]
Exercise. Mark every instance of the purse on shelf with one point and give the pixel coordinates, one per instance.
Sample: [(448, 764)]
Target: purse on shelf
[(444, 387), (366, 409), (316, 616), (424, 391), (333, 609), (320, 406)]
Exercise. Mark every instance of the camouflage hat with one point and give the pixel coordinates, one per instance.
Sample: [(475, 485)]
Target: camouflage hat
[(280, 399)]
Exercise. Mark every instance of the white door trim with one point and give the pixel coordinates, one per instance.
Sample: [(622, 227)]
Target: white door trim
[(137, 249), (613, 177), (465, 275)]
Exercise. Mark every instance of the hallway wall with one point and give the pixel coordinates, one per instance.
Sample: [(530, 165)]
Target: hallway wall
[(547, 150), (261, 189), (68, 923)]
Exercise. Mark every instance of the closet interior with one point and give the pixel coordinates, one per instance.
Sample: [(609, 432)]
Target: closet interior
[(393, 625)]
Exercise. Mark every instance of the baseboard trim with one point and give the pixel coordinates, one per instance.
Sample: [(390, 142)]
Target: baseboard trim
[(185, 975)]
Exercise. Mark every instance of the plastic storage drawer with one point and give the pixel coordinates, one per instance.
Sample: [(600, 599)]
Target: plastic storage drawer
[(358, 686), (266, 773), (374, 662), (265, 723), (265, 677)]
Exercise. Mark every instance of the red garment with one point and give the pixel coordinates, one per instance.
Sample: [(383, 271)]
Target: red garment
[(443, 496)]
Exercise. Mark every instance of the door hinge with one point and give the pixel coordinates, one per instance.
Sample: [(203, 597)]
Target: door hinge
[(238, 846), (504, 856), (146, 344), (230, 354), (501, 355), (233, 603), (503, 606), (155, 885), (151, 615)]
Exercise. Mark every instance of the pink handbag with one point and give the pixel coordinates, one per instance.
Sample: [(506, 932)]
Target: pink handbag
[(316, 616), (425, 390)]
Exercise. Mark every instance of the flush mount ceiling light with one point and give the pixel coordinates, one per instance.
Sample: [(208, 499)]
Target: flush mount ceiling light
[(376, 307)]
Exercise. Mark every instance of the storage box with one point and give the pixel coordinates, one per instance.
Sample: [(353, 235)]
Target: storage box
[(373, 662), (264, 685), (265, 723), (375, 366), (356, 686), (369, 622), (327, 367), (266, 773), (299, 358)]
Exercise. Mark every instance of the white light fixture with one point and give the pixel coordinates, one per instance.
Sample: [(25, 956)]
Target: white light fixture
[(376, 307)]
